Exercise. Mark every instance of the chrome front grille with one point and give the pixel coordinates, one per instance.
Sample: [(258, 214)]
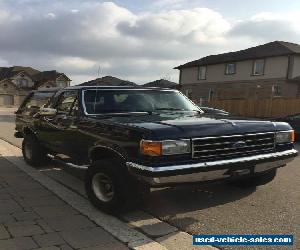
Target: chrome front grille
[(232, 146)]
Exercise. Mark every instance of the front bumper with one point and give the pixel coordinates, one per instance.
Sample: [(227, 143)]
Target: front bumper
[(208, 171)]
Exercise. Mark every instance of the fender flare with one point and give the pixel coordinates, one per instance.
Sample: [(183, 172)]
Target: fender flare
[(105, 152)]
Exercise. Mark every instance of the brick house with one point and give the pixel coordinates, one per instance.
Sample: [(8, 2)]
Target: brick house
[(17, 81), (266, 71)]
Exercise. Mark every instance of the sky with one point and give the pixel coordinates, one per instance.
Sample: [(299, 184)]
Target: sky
[(139, 41)]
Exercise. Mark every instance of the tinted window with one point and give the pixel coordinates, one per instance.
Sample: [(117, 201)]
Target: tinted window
[(66, 101), (294, 117), (38, 99), (75, 108), (112, 101)]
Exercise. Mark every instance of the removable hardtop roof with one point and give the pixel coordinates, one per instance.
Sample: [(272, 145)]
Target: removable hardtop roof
[(116, 88)]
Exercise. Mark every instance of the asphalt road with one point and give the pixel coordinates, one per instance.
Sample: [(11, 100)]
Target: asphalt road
[(219, 208)]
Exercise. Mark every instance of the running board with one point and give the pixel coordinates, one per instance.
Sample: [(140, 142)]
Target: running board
[(69, 164)]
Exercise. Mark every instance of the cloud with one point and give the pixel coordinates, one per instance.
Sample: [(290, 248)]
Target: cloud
[(78, 37), (268, 26), (198, 25)]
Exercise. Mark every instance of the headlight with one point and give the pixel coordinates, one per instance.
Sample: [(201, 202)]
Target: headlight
[(176, 147), (285, 137), (168, 147)]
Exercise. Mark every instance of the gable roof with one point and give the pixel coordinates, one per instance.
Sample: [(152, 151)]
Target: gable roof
[(108, 81), (46, 76), (161, 83), (37, 76), (7, 72), (276, 48)]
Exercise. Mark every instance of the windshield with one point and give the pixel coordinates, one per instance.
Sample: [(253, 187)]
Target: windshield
[(118, 101)]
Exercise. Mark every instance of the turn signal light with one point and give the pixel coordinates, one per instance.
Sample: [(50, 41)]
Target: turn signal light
[(151, 148), (292, 136)]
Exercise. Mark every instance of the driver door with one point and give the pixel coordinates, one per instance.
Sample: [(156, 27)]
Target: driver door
[(56, 133)]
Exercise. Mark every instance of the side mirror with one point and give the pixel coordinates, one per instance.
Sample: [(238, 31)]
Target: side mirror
[(47, 112)]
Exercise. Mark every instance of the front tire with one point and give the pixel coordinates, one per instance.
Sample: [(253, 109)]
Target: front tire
[(33, 153), (256, 180), (109, 186)]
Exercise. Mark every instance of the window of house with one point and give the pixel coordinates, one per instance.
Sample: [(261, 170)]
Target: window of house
[(258, 67), (276, 89), (202, 73), (61, 84), (210, 94), (230, 69), (23, 82)]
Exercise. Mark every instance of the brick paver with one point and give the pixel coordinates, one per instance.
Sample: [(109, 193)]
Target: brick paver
[(47, 240), (32, 217), (90, 237), (24, 216), (24, 243), (24, 230), (3, 233)]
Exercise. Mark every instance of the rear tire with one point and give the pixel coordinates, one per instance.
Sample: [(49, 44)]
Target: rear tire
[(33, 153), (256, 180), (110, 187)]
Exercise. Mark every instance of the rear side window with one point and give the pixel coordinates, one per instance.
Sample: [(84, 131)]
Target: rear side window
[(38, 100), (66, 101)]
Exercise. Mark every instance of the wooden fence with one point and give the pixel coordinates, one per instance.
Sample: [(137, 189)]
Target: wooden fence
[(277, 107)]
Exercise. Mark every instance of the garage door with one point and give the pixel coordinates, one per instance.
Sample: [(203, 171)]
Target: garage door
[(7, 100)]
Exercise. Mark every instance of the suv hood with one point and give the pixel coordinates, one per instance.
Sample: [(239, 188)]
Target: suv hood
[(172, 126)]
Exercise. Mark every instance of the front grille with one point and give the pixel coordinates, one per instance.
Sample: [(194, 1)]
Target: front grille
[(232, 146)]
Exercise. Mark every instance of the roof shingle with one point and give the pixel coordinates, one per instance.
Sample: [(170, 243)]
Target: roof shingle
[(276, 48), (108, 81)]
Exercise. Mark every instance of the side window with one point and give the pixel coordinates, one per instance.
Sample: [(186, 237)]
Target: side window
[(38, 100), (294, 118), (66, 101), (53, 100), (75, 108)]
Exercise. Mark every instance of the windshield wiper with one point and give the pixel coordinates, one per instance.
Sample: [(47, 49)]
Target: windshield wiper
[(177, 109), (171, 109), (123, 112)]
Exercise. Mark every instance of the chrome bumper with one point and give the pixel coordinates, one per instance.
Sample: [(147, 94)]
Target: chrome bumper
[(207, 171)]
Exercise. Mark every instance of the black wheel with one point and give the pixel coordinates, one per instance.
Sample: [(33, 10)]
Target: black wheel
[(33, 153), (110, 187), (256, 180)]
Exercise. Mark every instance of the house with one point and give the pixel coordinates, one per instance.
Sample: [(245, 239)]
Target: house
[(162, 83), (51, 79), (108, 81), (114, 81), (265, 71), (17, 81)]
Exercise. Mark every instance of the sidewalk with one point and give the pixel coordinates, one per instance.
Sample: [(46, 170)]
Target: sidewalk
[(32, 217)]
